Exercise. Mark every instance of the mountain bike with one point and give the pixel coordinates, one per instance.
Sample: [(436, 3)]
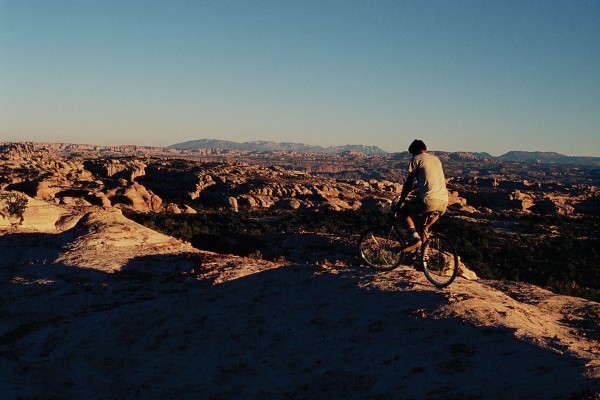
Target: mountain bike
[(381, 246)]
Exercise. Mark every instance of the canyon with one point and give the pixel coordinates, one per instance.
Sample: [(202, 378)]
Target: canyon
[(157, 179)]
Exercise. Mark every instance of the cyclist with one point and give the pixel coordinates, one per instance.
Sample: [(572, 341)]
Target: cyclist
[(432, 196)]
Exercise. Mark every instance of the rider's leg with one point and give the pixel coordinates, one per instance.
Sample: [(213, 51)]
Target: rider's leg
[(410, 224), (435, 208), (407, 211), (430, 220), (408, 221)]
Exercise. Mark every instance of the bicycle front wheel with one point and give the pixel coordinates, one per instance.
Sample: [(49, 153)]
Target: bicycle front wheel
[(381, 248), (439, 260)]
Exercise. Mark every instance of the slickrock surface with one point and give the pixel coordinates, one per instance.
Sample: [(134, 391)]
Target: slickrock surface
[(108, 309)]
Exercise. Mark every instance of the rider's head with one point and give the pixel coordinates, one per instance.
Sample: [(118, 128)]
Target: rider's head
[(417, 147)]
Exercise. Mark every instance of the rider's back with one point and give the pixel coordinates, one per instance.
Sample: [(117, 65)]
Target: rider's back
[(430, 176)]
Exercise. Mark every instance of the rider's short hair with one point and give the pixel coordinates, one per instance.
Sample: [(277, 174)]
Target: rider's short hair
[(416, 147)]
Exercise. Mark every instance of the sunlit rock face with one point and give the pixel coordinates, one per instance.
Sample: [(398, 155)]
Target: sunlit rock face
[(155, 179)]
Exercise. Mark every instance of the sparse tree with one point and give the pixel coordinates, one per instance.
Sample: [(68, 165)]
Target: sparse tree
[(13, 205)]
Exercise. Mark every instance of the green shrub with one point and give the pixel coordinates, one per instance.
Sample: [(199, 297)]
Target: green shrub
[(14, 205), (567, 264)]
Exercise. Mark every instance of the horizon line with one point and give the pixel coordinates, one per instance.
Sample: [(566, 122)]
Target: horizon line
[(299, 143)]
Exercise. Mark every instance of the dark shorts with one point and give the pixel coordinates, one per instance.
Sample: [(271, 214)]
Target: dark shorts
[(416, 207)]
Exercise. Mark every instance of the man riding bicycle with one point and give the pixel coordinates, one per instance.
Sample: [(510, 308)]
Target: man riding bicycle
[(432, 196)]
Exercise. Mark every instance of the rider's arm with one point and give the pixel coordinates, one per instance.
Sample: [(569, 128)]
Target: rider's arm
[(408, 186)]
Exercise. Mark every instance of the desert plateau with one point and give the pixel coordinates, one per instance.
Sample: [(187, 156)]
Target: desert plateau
[(231, 273)]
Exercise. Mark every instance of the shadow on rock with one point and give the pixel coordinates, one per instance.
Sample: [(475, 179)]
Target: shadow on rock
[(290, 332)]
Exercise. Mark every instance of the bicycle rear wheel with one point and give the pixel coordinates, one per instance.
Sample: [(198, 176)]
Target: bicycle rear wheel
[(381, 248), (439, 260)]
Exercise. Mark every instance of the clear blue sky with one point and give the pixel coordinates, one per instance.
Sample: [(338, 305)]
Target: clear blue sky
[(481, 75)]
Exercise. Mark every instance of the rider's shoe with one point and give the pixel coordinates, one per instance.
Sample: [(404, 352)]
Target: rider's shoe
[(413, 243)]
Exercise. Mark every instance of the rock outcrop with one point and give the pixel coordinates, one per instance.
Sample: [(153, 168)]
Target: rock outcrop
[(136, 197), (106, 241), (42, 216), (128, 177)]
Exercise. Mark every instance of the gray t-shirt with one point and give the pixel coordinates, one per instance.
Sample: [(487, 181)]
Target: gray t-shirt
[(430, 176)]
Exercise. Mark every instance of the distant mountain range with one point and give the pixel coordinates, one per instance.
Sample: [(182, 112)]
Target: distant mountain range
[(262, 145), (547, 157)]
